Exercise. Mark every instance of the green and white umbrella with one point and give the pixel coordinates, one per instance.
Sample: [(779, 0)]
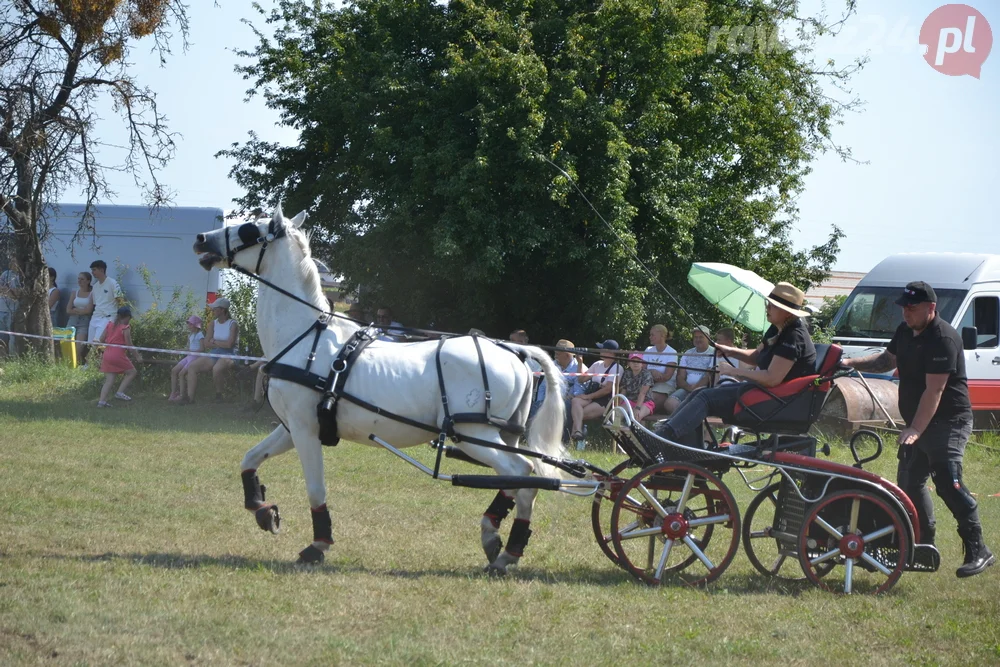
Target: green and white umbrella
[(738, 293)]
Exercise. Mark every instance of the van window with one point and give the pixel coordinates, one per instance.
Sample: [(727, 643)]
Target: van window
[(984, 314), (871, 312)]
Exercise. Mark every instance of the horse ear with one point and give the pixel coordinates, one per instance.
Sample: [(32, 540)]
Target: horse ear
[(278, 217), (299, 219)]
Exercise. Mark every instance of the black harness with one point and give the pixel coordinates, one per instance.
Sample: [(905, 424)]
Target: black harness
[(332, 385)]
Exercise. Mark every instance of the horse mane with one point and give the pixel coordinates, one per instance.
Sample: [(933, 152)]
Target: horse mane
[(306, 265)]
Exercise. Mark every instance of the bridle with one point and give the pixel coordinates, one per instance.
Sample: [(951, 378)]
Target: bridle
[(253, 235)]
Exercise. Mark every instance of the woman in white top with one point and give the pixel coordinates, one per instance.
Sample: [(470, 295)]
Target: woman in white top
[(220, 340), (591, 404), (79, 308)]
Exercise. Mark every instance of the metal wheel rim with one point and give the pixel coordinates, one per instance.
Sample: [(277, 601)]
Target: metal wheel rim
[(652, 567)]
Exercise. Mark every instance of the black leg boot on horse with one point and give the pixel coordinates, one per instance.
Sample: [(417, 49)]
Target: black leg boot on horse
[(490, 528), (322, 537), (253, 499), (516, 542)]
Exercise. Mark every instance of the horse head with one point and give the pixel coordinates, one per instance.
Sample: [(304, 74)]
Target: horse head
[(222, 248)]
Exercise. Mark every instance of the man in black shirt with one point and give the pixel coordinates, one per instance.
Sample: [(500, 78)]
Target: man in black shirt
[(934, 402)]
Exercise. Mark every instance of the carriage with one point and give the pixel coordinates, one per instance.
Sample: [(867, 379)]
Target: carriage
[(665, 513), (662, 513)]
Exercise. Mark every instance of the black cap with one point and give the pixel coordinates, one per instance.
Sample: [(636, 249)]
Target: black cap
[(917, 292), (124, 311), (609, 344)]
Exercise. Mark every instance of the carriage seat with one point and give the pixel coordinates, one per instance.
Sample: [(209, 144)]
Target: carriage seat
[(793, 406)]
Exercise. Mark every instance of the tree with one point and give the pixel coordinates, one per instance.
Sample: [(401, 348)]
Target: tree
[(57, 57), (426, 130)]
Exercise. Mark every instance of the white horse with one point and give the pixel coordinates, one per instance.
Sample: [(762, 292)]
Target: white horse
[(400, 378)]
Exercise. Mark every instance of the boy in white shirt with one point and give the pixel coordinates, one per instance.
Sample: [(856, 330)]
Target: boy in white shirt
[(106, 293)]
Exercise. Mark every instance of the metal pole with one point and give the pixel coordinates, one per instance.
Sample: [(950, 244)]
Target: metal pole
[(877, 402)]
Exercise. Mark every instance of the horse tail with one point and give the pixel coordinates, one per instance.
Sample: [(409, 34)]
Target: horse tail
[(546, 431)]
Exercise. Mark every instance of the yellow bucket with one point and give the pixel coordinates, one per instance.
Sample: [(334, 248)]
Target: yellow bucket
[(67, 343)]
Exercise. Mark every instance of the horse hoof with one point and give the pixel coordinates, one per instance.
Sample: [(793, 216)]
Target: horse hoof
[(495, 571), (268, 518), (310, 556), (493, 548)]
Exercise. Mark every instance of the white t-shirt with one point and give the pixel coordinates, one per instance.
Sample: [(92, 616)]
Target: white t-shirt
[(607, 375), (104, 298), (696, 359), (194, 341), (652, 356)]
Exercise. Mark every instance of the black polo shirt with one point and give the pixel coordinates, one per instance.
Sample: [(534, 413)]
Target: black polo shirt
[(792, 343), (938, 349)]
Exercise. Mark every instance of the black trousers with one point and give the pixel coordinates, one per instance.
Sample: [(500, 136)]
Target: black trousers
[(938, 454)]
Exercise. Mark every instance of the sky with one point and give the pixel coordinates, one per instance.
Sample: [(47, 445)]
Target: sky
[(929, 142)]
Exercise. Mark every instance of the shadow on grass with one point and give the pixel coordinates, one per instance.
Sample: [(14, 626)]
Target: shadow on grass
[(178, 561), (148, 413), (736, 584)]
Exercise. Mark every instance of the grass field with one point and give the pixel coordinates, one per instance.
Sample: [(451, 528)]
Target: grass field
[(124, 541)]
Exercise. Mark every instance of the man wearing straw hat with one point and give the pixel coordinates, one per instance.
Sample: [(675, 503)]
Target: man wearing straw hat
[(786, 353)]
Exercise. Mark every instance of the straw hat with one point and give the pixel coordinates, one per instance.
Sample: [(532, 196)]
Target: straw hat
[(789, 298)]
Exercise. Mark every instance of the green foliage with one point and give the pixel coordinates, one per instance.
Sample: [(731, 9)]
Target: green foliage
[(824, 318), (425, 130), (242, 294), (822, 322), (163, 324)]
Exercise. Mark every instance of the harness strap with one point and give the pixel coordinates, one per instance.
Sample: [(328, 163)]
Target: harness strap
[(317, 326)]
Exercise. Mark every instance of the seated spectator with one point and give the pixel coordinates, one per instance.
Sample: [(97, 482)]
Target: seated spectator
[(220, 340), (259, 387), (596, 394), (569, 365), (520, 336), (661, 360), (391, 329), (196, 343), (357, 313), (688, 378), (727, 337), (636, 383), (79, 307)]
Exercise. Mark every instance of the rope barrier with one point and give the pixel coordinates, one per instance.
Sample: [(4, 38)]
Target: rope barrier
[(184, 353)]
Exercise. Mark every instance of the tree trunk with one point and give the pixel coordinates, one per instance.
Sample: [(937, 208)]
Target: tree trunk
[(32, 315), (33, 309)]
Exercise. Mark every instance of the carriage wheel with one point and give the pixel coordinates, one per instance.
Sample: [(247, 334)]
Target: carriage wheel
[(664, 519), (771, 556), (600, 524), (859, 530)]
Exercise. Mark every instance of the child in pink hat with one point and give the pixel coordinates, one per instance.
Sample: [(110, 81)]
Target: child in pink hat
[(635, 384), (196, 343)]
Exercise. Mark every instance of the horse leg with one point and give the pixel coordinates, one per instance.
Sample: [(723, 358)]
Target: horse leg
[(498, 510), (311, 456), (522, 499), (278, 442), (519, 533)]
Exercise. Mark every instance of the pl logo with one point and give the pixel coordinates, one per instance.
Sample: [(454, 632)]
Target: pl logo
[(956, 40)]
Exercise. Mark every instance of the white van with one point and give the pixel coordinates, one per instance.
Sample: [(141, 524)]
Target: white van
[(968, 292), (127, 238)]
